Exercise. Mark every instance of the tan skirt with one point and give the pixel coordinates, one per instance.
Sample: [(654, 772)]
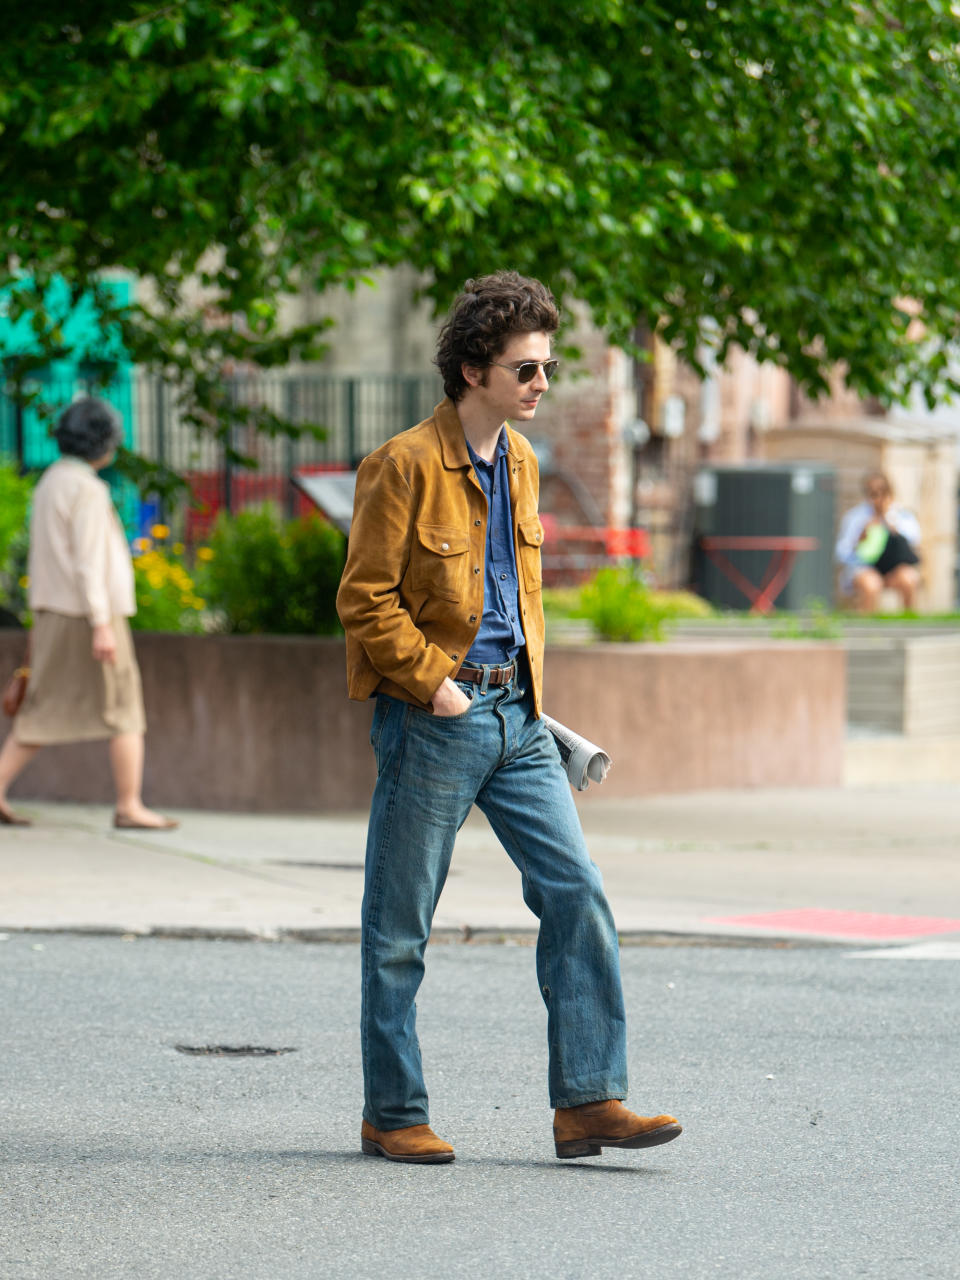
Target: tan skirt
[(70, 696)]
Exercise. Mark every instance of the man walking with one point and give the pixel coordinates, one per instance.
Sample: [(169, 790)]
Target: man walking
[(441, 604)]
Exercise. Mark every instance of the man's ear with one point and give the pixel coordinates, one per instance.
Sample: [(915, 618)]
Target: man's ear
[(473, 374)]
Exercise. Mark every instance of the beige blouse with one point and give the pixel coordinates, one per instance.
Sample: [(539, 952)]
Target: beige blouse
[(79, 562)]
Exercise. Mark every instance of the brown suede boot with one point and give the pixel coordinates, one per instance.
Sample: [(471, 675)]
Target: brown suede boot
[(417, 1144), (582, 1131)]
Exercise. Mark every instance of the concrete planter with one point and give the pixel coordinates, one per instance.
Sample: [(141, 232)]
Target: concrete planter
[(263, 723)]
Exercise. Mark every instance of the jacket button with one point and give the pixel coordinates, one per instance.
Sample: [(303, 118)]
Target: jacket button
[(444, 546), (477, 523), (476, 571), (473, 617)]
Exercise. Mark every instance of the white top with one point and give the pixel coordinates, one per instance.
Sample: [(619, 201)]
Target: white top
[(79, 561), (852, 527)]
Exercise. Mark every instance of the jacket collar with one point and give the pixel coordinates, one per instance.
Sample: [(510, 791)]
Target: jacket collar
[(453, 443)]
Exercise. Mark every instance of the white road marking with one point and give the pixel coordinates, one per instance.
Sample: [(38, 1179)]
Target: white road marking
[(940, 949)]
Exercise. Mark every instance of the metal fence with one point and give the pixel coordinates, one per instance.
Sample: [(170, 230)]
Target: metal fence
[(356, 414)]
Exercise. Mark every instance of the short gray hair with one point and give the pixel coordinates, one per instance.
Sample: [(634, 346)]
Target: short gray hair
[(89, 429)]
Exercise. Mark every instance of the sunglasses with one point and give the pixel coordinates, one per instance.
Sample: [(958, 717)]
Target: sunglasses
[(527, 371)]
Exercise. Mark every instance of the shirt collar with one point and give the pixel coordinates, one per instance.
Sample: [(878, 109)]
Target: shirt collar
[(74, 461), (499, 452)]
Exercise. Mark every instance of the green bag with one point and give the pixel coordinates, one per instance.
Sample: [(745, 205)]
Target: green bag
[(873, 543)]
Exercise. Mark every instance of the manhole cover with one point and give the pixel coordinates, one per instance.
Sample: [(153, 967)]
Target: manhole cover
[(230, 1050)]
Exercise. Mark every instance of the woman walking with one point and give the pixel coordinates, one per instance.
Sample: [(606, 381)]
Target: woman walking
[(84, 681)]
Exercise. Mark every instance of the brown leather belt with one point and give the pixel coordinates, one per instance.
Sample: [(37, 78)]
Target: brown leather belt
[(497, 675)]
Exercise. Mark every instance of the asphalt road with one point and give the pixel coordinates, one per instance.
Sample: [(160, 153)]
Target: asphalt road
[(817, 1087)]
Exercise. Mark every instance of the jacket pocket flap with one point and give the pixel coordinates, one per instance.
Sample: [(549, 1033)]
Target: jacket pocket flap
[(531, 531), (442, 540)]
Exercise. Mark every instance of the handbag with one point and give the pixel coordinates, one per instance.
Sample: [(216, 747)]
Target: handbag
[(15, 690), (873, 543), (897, 551)]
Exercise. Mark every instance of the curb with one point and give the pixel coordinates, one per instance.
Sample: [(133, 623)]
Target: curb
[(443, 936)]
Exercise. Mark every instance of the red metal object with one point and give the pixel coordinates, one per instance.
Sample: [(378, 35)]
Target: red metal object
[(628, 542), (614, 542), (574, 552), (783, 553), (247, 488)]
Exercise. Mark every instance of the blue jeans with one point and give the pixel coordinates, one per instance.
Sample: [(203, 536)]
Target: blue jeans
[(431, 770)]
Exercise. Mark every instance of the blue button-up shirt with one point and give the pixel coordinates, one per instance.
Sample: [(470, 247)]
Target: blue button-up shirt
[(500, 637)]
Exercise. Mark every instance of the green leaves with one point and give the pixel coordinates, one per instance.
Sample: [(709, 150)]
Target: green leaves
[(788, 169), (265, 574)]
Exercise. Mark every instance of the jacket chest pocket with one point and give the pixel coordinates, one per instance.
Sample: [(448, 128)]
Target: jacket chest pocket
[(529, 542), (439, 561)]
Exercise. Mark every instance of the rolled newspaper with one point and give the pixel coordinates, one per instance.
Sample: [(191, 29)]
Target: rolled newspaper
[(582, 760)]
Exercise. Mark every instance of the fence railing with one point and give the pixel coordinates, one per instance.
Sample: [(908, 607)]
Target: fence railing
[(356, 414)]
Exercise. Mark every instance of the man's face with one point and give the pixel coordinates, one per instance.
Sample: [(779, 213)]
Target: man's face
[(501, 391)]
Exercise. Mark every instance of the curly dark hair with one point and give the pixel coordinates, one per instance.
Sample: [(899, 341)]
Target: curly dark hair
[(89, 429), (488, 312)]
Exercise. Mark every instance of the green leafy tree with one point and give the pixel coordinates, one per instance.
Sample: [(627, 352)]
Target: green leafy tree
[(788, 169)]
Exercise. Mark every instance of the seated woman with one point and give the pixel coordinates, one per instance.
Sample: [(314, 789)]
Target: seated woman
[(877, 547)]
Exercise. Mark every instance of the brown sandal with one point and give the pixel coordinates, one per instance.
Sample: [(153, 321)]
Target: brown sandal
[(128, 824), (10, 819)]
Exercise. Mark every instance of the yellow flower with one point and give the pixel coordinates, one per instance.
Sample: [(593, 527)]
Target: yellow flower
[(198, 603), (142, 544), (160, 531), (205, 553), (25, 582)]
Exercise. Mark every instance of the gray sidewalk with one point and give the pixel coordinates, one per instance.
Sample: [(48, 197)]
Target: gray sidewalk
[(688, 865)]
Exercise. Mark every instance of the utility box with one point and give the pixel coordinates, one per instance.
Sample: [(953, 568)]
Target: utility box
[(763, 500)]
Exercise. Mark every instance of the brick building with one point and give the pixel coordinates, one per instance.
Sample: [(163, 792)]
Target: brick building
[(620, 440)]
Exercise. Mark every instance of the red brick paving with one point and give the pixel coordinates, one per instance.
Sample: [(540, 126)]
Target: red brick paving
[(846, 924)]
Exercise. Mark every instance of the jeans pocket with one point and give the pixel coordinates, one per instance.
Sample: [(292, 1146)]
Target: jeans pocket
[(380, 739), (471, 691), (376, 724)]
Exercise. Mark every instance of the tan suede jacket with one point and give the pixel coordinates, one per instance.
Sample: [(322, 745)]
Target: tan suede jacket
[(411, 596)]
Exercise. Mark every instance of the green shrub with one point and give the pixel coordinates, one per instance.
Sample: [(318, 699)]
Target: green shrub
[(683, 604), (267, 575), (318, 554), (561, 602), (818, 621), (15, 491), (619, 606), (167, 598)]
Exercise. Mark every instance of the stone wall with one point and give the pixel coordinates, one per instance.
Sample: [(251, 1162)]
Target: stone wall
[(264, 724)]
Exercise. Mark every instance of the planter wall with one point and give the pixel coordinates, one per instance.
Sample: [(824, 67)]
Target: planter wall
[(264, 724), (905, 684), (687, 716)]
